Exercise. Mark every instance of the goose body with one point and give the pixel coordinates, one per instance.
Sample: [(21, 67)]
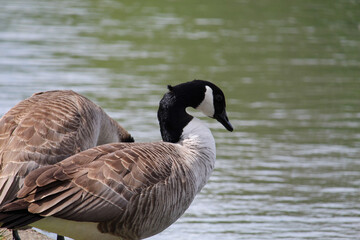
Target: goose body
[(126, 190)]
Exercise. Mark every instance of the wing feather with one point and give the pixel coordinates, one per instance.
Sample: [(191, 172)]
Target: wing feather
[(106, 179), (47, 128)]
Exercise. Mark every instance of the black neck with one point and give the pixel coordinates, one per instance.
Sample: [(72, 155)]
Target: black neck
[(172, 117)]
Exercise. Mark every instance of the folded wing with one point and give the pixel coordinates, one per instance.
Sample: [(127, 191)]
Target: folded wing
[(95, 185)]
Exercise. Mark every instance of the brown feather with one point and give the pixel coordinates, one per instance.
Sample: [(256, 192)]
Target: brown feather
[(98, 183), (131, 190), (47, 128)]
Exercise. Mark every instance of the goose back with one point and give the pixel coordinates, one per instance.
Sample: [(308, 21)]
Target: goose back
[(47, 128)]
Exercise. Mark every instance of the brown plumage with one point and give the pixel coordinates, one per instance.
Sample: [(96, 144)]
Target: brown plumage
[(47, 128), (126, 190), (114, 186)]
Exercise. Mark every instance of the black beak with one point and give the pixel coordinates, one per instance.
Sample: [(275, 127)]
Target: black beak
[(223, 119)]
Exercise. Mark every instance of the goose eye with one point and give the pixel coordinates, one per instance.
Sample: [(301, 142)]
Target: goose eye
[(218, 98)]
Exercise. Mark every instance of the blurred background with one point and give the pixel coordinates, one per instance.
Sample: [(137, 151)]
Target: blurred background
[(290, 71)]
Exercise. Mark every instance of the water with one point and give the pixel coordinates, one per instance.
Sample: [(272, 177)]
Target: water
[(290, 71)]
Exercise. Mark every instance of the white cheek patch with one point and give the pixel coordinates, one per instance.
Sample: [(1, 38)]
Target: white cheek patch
[(207, 105)]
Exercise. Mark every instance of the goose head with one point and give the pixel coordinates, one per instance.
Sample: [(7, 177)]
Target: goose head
[(198, 94), (213, 104)]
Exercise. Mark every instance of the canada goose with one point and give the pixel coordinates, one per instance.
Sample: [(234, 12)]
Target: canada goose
[(126, 190), (47, 128)]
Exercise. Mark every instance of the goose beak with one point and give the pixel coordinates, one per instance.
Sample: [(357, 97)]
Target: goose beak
[(223, 119)]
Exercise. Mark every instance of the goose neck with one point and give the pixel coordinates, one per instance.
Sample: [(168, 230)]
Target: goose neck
[(172, 117), (197, 135)]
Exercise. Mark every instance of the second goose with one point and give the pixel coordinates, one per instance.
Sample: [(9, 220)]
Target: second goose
[(47, 128)]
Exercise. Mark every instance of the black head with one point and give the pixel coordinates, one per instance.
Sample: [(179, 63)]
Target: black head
[(204, 96)]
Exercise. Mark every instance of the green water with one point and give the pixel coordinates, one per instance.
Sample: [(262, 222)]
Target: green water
[(291, 74)]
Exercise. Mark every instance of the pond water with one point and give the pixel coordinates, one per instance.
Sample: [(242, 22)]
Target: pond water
[(291, 74)]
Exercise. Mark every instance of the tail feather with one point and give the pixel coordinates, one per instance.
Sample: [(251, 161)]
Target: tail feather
[(12, 220), (15, 215)]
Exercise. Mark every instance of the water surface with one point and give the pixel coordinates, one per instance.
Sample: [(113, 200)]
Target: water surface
[(290, 71)]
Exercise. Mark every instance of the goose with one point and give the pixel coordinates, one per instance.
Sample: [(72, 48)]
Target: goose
[(127, 190), (47, 128)]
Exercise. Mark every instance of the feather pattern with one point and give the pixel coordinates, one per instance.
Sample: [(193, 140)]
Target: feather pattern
[(126, 190), (125, 187), (47, 128)]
